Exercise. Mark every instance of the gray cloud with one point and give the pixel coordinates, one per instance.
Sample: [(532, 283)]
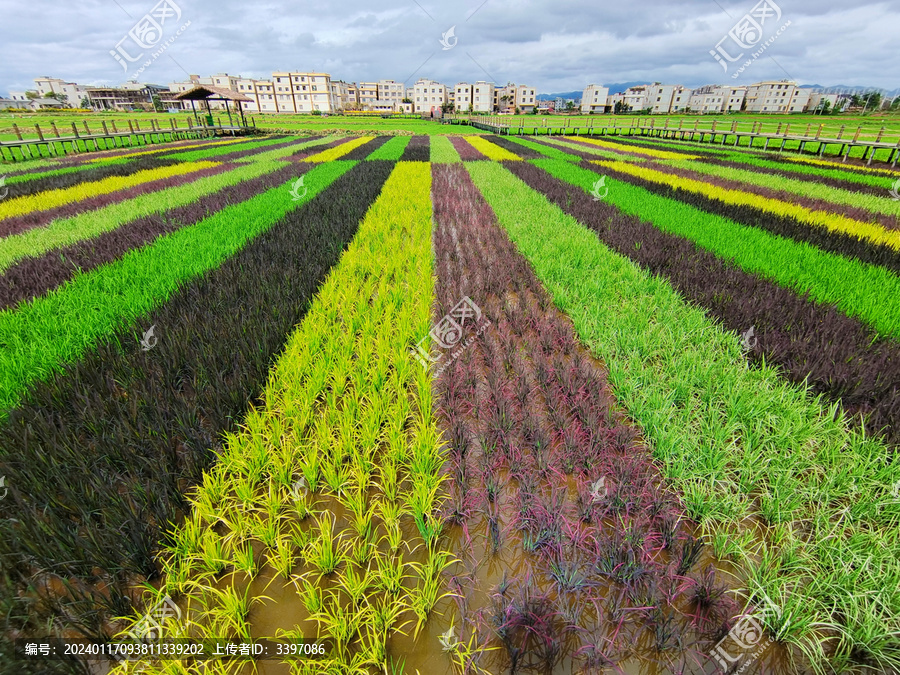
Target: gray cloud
[(556, 45)]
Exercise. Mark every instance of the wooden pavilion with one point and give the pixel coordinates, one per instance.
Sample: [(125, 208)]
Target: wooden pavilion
[(207, 93)]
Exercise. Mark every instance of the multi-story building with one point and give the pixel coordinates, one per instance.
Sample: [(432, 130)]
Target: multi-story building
[(504, 98), (343, 95), (799, 100), (714, 98), (303, 92), (525, 98), (129, 95), (771, 96), (368, 94), (391, 93), (73, 93), (681, 98), (659, 98), (462, 96), (483, 96), (428, 96), (635, 98), (594, 99)]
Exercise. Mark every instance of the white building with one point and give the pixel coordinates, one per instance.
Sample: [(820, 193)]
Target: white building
[(817, 99), (303, 92), (72, 92), (681, 98), (428, 96), (799, 100), (462, 96), (770, 97), (594, 99)]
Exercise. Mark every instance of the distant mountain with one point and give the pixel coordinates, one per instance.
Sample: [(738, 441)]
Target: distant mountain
[(563, 95), (614, 88)]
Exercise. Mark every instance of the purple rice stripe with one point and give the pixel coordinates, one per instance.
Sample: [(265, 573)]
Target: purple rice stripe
[(858, 213), (417, 150), (33, 277), (29, 221), (466, 150), (841, 357)]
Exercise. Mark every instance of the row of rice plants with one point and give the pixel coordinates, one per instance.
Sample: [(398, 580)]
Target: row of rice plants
[(42, 201), (329, 494), (94, 486), (442, 151), (779, 483), (772, 162), (68, 177), (815, 344), (54, 329), (33, 276), (837, 355), (829, 220), (859, 289), (548, 483), (112, 212), (490, 150)]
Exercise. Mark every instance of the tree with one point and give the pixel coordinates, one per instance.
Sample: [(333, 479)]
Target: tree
[(85, 102), (32, 95), (570, 106), (620, 107), (534, 110), (518, 111), (407, 100), (447, 108), (157, 103)]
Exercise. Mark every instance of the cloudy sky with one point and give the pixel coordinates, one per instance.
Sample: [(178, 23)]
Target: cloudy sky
[(554, 45)]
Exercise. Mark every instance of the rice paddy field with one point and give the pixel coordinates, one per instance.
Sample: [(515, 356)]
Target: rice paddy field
[(452, 404)]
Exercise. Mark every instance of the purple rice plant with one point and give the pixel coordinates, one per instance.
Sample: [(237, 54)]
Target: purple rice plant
[(711, 607), (689, 554)]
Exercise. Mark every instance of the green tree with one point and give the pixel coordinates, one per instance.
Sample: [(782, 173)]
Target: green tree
[(85, 102), (157, 103), (570, 106)]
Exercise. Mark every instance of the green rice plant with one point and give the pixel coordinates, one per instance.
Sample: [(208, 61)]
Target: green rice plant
[(427, 591), (281, 557), (325, 552), (335, 475), (354, 583), (213, 555), (226, 611), (312, 596), (244, 560), (442, 151)]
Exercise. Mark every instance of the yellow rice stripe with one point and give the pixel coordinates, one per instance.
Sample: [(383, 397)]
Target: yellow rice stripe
[(50, 199), (834, 222), (339, 151), (647, 152), (490, 150), (180, 148), (838, 165)]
